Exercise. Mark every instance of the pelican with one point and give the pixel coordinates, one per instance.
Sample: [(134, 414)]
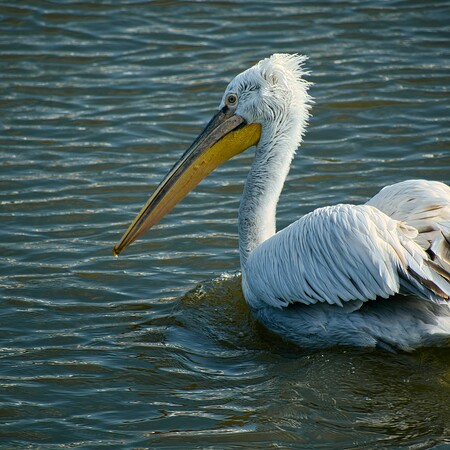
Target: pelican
[(333, 276)]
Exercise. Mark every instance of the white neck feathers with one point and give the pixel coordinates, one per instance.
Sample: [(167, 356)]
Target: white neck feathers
[(270, 167)]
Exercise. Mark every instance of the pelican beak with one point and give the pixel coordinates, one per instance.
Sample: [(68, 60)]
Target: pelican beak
[(225, 136)]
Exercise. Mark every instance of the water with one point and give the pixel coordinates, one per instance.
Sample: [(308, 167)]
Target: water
[(157, 348)]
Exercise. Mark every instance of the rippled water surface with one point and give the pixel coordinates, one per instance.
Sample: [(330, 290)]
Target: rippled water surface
[(157, 348)]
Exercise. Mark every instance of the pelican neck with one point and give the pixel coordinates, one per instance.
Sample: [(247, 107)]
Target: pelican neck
[(257, 211)]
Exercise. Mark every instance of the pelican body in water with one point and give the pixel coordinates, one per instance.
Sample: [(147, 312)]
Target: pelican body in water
[(331, 277)]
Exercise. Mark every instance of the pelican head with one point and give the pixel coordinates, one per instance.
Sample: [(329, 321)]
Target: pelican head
[(267, 102), (271, 93)]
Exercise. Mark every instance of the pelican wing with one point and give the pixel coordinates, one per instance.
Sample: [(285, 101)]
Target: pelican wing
[(340, 254), (425, 205)]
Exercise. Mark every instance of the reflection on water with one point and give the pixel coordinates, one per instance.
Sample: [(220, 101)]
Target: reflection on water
[(157, 348)]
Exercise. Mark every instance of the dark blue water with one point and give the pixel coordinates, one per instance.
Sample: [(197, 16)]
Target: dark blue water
[(157, 349)]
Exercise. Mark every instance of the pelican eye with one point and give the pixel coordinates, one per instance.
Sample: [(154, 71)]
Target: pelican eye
[(231, 100)]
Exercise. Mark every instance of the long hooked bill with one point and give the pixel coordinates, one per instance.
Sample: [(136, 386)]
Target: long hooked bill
[(225, 136)]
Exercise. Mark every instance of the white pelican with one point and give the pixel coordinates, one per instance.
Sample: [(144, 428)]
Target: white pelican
[(330, 278)]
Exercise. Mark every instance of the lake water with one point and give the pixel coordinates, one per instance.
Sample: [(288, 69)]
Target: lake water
[(157, 349)]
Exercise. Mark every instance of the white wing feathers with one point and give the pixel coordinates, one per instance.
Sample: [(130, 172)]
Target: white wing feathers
[(340, 254), (422, 204), (440, 248)]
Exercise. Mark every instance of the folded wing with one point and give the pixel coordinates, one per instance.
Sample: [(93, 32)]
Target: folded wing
[(339, 255)]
